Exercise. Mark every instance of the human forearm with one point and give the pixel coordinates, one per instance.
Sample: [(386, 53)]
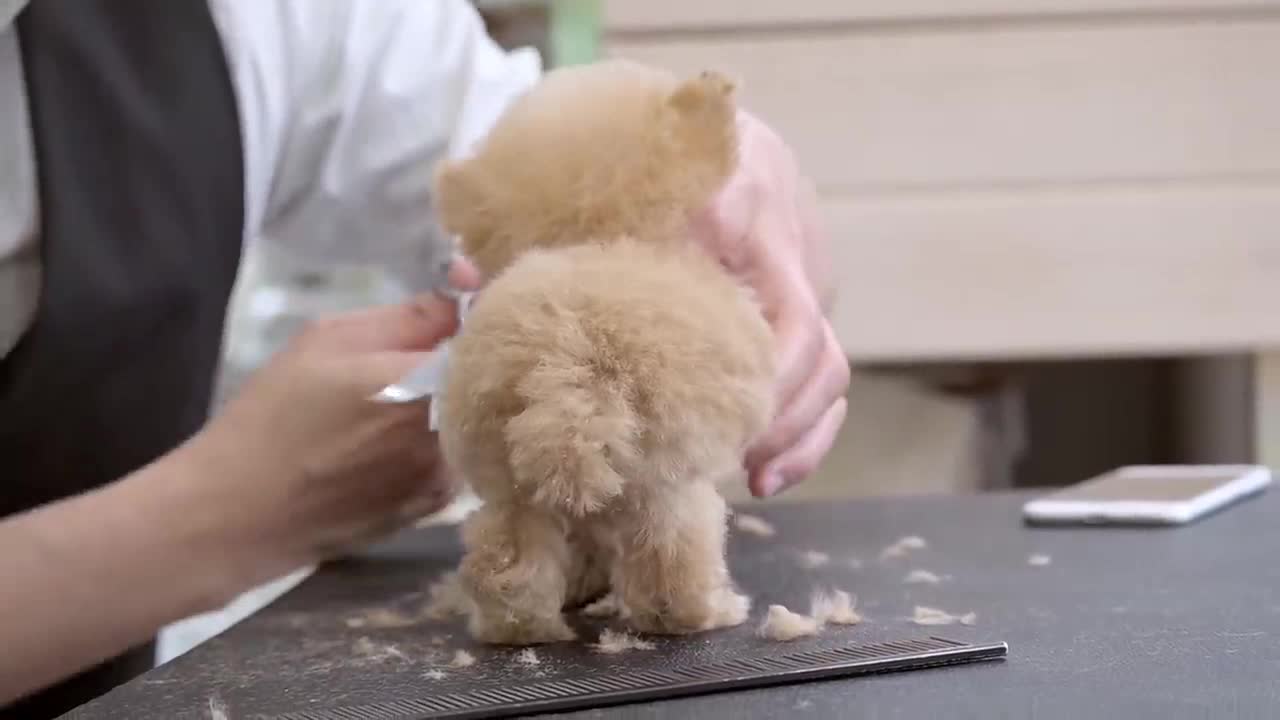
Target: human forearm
[(297, 465), (84, 579)]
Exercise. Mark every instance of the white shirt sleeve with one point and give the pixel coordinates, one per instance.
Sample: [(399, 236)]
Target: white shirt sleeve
[(346, 108)]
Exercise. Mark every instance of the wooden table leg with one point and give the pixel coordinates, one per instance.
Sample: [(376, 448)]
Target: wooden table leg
[(1266, 383)]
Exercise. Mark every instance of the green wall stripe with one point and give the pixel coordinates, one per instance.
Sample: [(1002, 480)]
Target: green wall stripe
[(575, 31)]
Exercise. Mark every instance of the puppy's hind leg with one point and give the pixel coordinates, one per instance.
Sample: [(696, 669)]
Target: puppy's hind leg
[(590, 561), (514, 575), (672, 575)]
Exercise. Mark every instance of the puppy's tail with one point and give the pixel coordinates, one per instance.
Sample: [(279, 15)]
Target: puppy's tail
[(566, 445)]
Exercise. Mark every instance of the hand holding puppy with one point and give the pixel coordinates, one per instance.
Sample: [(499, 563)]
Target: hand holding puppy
[(764, 227)]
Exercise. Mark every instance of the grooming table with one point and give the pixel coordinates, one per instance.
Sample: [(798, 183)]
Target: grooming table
[(1160, 623)]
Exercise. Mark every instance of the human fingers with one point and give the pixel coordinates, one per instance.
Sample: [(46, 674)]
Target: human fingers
[(776, 274), (817, 246), (416, 324), (408, 470), (349, 375), (393, 494), (797, 328), (723, 226), (799, 462), (826, 381), (781, 229), (437, 490), (425, 487), (464, 275)]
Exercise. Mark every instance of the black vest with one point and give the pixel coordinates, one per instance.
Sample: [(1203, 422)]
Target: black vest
[(138, 155)]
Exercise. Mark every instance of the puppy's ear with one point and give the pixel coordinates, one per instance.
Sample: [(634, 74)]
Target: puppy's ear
[(709, 93), (458, 196), (703, 124)]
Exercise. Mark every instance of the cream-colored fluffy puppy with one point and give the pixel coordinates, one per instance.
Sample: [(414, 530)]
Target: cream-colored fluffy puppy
[(611, 373)]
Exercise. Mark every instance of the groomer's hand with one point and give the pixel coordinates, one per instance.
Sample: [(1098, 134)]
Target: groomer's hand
[(764, 226), (304, 463)]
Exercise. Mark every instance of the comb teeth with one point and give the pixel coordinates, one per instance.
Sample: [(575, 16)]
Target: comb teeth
[(611, 689), (650, 678)]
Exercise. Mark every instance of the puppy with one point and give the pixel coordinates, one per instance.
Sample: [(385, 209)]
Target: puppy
[(612, 373)]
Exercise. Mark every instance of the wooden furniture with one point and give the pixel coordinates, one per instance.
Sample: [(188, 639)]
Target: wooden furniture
[(1031, 179)]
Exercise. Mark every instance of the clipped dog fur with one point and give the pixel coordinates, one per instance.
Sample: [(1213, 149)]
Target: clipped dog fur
[(754, 525), (933, 616), (783, 625), (611, 373), (613, 643)]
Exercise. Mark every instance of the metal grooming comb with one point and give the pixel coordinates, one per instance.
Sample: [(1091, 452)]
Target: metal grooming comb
[(609, 689)]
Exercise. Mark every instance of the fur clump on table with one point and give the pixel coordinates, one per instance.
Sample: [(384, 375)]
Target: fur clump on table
[(612, 372), (612, 642), (835, 608), (462, 659), (753, 525), (922, 577), (903, 546), (783, 625), (933, 616), (812, 559)]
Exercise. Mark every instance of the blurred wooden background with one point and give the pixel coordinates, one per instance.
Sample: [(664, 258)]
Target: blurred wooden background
[(1074, 201)]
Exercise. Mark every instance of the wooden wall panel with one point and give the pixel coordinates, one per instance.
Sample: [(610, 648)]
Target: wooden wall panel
[(1065, 273), (1004, 181), (974, 108), (622, 16)]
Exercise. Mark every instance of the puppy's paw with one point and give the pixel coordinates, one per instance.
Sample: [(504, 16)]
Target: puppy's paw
[(732, 609), (719, 609), (681, 620), (530, 630), (606, 607)]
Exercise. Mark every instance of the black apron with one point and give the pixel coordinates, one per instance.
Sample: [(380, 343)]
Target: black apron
[(138, 155)]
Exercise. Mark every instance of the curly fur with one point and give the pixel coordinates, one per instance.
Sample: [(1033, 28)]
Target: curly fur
[(611, 373)]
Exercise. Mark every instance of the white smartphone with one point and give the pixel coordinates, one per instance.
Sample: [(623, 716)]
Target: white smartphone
[(1149, 495)]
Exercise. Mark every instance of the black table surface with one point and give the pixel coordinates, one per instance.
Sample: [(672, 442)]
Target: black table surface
[(1134, 623)]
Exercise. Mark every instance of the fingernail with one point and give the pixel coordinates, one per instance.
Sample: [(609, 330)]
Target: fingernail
[(773, 483), (464, 273)]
